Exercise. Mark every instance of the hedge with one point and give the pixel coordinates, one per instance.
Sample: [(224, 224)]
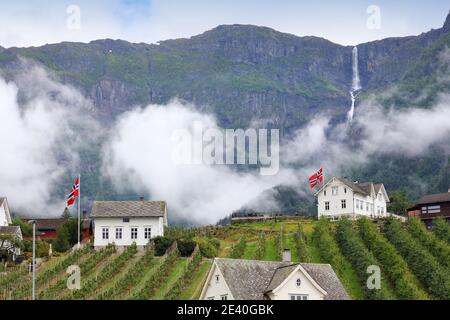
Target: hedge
[(427, 269), (402, 279)]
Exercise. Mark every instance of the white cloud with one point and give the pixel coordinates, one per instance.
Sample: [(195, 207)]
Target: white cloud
[(139, 157), (38, 140)]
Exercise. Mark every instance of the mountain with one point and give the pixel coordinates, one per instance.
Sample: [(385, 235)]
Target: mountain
[(237, 72), (242, 72)]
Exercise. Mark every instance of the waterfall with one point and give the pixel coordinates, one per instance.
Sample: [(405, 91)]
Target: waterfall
[(356, 84)]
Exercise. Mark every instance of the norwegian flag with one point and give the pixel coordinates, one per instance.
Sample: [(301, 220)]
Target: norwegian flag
[(74, 193), (316, 178)]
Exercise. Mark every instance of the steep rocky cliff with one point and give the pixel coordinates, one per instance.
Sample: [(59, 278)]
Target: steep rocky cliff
[(237, 72)]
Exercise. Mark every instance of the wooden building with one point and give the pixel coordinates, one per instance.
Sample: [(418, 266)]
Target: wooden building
[(431, 206)]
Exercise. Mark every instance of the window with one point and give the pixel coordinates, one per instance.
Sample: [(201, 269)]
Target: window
[(298, 296), (345, 190), (431, 209), (148, 233), (367, 206), (299, 282), (334, 191), (324, 192), (126, 220), (357, 204), (343, 204), (119, 233), (224, 297), (134, 233), (217, 278), (327, 205), (379, 196), (105, 233)]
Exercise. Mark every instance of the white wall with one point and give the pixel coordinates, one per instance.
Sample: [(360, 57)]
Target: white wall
[(381, 203), (216, 289), (155, 223), (351, 201), (290, 287), (335, 200), (3, 220)]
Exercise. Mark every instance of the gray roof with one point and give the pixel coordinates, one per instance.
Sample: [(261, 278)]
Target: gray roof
[(327, 279), (280, 275), (139, 208), (361, 188), (9, 229), (434, 198), (267, 275)]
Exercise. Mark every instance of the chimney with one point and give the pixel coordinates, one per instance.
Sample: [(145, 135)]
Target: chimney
[(84, 214), (286, 255), (356, 182)]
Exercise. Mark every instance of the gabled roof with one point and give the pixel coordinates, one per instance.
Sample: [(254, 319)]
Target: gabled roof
[(55, 223), (434, 198), (363, 188), (247, 279), (251, 279), (12, 230), (139, 208)]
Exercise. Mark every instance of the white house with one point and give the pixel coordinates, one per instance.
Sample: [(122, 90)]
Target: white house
[(6, 229), (237, 279), (340, 197), (125, 222), (5, 215)]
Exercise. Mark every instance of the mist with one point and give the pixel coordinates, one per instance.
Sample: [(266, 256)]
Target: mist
[(42, 126)]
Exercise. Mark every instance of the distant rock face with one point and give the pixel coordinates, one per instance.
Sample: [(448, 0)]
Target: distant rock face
[(446, 27), (237, 72)]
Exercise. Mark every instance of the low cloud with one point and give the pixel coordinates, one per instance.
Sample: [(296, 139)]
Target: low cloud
[(139, 156), (39, 135)]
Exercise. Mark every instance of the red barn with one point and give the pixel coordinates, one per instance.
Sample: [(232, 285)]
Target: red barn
[(46, 228)]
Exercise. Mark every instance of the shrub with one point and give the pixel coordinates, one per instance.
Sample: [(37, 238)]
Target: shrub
[(238, 249), (441, 229), (207, 249), (186, 247), (432, 275), (439, 249), (355, 251), (328, 249), (395, 267), (301, 246), (162, 243), (261, 247)]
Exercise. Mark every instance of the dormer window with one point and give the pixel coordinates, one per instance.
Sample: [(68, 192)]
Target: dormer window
[(298, 282)]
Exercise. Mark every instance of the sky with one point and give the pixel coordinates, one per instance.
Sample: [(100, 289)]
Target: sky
[(33, 23)]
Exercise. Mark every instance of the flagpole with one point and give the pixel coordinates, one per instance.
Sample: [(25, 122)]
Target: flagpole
[(79, 198)]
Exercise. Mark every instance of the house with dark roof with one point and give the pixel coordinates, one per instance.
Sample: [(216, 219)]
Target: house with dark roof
[(125, 222), (6, 245), (431, 206), (239, 279), (46, 228), (340, 197)]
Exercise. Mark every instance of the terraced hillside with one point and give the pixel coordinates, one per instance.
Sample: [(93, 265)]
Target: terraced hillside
[(414, 261)]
